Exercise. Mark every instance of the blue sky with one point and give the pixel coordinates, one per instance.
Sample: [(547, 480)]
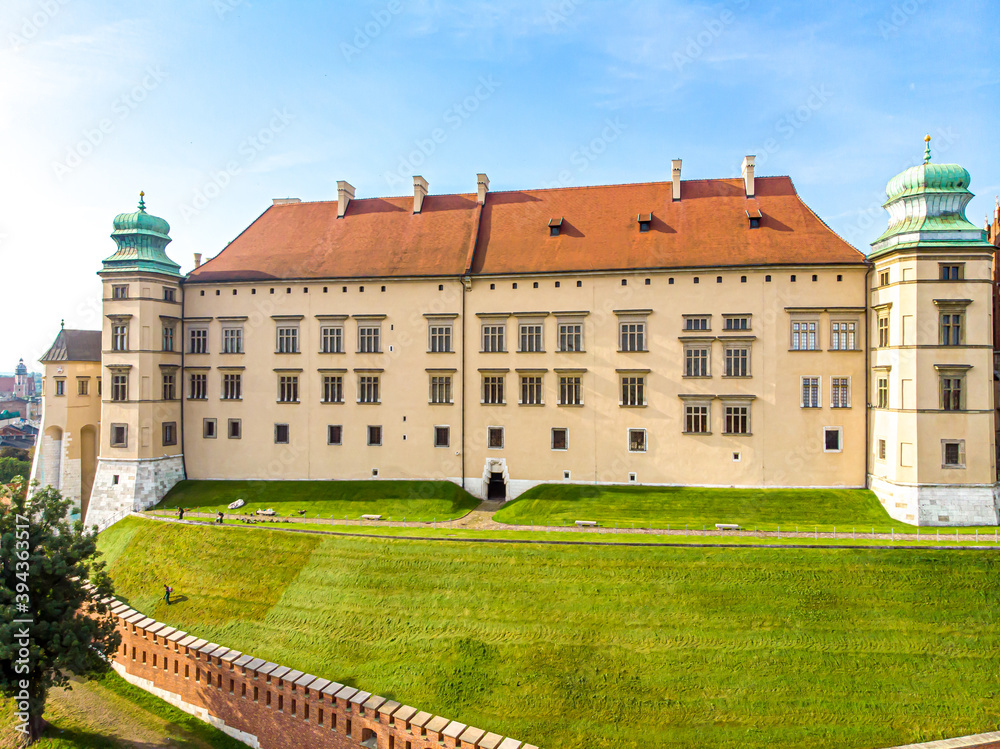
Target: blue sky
[(213, 107)]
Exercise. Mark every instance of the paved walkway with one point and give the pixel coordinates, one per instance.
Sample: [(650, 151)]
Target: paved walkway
[(481, 518)]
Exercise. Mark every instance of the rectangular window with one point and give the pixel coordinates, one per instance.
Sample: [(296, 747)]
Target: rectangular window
[(951, 328), (83, 387), (369, 339), (440, 338), (334, 434), (570, 336), (953, 453), (531, 390), (737, 361), (882, 392), (637, 440), (570, 390), (374, 436), (883, 278), (632, 336), (169, 294), (442, 436), (169, 433), (880, 450), (737, 419), (119, 435), (810, 392), (494, 437), (804, 335), (331, 339), (61, 388), (833, 439), (235, 429), (368, 389), (168, 337), (440, 389), (232, 340), (696, 361), (493, 338), (951, 393), (697, 322), (119, 386), (559, 438), (633, 390), (119, 292), (208, 429), (531, 337), (883, 329), (281, 434), (493, 389), (198, 340), (199, 387), (952, 272), (232, 387), (333, 388), (736, 322), (695, 419), (119, 337), (842, 336), (169, 386), (288, 388), (840, 392), (288, 339)]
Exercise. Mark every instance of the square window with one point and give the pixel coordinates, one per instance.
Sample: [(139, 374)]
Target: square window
[(531, 390), (440, 389), (696, 361), (287, 339), (833, 441), (559, 439), (633, 390), (235, 429), (334, 434), (632, 336), (570, 390), (737, 419), (119, 435), (952, 272), (637, 440), (494, 437), (632, 478), (440, 338), (493, 338), (843, 335), (232, 340), (281, 434), (333, 389), (566, 475), (374, 436), (953, 453), (737, 457), (208, 429), (530, 337), (696, 418), (442, 436), (493, 390), (571, 336), (804, 335)]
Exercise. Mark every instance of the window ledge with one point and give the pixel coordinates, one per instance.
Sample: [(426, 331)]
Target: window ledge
[(571, 351), (369, 403), (330, 353), (628, 405), (696, 377), (440, 403), (450, 351), (540, 351), (484, 403), (806, 350), (493, 352), (738, 434), (633, 351), (331, 403), (736, 377), (530, 405), (288, 403), (570, 405), (952, 467), (706, 434)]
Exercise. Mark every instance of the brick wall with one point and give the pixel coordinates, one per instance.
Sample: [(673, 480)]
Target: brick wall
[(270, 706)]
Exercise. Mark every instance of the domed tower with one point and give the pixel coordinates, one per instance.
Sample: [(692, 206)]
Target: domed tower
[(140, 453), (24, 383), (932, 458)]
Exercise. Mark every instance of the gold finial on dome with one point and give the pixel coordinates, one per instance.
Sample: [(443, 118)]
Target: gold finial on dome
[(927, 150)]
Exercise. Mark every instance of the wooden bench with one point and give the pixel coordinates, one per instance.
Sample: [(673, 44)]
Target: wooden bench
[(586, 523), (371, 517), (726, 527)]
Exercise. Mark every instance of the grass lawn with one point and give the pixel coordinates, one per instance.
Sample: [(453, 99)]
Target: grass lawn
[(110, 713), (396, 499), (601, 646), (658, 507)]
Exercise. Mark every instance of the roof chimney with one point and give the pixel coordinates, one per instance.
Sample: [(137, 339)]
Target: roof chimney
[(483, 183), (345, 194), (197, 260), (285, 201), (748, 174), (419, 192), (676, 177)]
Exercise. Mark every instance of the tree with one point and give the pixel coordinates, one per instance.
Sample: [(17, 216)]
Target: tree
[(11, 468), (52, 626), (15, 452)]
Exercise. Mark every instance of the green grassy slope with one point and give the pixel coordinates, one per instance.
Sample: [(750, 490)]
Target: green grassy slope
[(656, 507), (602, 647), (396, 499)]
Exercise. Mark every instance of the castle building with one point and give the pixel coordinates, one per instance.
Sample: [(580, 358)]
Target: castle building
[(703, 332)]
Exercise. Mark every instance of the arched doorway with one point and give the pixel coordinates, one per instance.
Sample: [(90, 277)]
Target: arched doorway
[(88, 464)]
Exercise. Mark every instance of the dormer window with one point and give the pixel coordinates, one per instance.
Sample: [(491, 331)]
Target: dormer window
[(753, 214), (644, 220), (754, 222), (554, 225)]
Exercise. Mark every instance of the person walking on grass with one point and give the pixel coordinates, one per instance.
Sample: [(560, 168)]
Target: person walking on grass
[(166, 594), (180, 513)]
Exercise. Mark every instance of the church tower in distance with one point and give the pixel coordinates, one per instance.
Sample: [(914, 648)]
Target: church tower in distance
[(141, 455), (932, 444)]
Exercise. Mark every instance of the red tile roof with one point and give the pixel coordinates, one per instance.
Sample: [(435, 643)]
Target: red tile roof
[(381, 237)]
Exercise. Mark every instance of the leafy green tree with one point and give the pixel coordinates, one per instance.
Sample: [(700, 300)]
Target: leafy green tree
[(11, 468), (51, 626)]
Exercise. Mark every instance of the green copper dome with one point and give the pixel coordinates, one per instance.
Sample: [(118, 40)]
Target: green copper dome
[(142, 240), (926, 205)]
